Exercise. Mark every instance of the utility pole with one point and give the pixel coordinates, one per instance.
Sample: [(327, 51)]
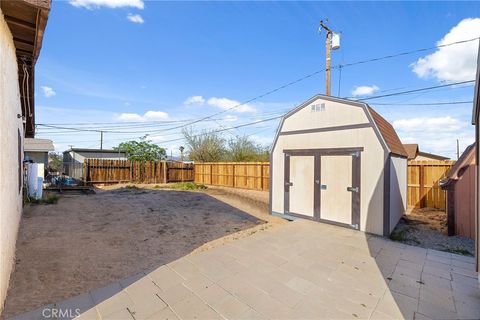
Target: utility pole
[(181, 152), (101, 140), (458, 150), (328, 48)]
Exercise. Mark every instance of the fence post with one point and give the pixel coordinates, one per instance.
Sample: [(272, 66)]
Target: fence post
[(422, 186), (234, 167), (85, 173), (165, 172), (211, 179), (261, 176)]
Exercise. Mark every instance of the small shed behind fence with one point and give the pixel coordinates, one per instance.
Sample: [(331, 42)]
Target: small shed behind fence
[(460, 186), (338, 161), (74, 158)]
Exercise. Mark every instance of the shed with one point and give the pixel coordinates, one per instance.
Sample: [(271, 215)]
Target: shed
[(460, 186), (74, 158), (37, 150), (338, 161)]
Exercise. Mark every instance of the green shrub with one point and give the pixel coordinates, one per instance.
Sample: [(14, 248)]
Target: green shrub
[(461, 251), (187, 186), (46, 199), (398, 235)]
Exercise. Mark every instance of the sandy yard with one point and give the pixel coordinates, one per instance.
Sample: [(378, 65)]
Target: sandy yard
[(88, 241), (428, 228)]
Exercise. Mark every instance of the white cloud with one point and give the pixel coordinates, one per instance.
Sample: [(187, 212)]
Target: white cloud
[(456, 62), (225, 103), (147, 116), (230, 118), (429, 124), (195, 100), (364, 90), (48, 91), (92, 4), (135, 18), (436, 135)]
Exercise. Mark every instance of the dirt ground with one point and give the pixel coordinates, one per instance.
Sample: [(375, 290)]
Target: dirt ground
[(88, 241), (428, 228)]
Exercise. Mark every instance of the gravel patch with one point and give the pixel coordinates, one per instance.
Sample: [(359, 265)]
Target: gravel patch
[(427, 228)]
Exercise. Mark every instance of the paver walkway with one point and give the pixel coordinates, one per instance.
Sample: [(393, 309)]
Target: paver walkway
[(301, 270)]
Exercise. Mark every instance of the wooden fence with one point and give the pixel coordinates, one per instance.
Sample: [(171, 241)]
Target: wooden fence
[(423, 183), (423, 176), (118, 171), (247, 175)]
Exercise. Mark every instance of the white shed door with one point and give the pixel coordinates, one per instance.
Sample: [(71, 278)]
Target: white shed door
[(335, 199), (302, 185)]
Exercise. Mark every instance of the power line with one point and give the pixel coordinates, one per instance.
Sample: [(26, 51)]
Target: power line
[(422, 104), (338, 66), (295, 82), (406, 53), (225, 129), (416, 90)]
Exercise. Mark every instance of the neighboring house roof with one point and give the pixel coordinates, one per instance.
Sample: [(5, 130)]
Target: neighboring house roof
[(94, 150), (27, 20), (466, 159), (413, 152), (38, 145), (389, 134), (411, 149), (431, 155)]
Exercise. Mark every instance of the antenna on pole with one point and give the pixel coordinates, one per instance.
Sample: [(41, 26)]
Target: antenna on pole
[(332, 42)]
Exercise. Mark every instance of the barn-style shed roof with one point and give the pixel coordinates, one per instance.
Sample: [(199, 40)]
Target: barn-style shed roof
[(389, 134), (384, 129)]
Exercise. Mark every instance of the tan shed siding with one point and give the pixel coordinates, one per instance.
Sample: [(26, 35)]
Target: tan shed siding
[(335, 114), (398, 190), (371, 211), (10, 167)]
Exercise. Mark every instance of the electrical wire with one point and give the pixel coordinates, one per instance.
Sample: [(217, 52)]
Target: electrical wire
[(302, 79), (415, 90), (422, 104)]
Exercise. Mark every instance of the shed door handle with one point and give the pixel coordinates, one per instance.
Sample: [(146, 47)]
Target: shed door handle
[(289, 184), (352, 189)]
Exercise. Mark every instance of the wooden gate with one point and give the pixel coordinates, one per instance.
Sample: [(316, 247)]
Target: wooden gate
[(423, 183)]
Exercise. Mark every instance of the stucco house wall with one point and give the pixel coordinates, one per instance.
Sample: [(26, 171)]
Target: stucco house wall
[(11, 155)]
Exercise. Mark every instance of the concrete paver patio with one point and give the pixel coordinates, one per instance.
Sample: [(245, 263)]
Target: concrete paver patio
[(301, 270)]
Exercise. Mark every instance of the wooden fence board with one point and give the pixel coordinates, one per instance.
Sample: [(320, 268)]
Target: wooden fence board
[(423, 183), (117, 171), (245, 175), (423, 176)]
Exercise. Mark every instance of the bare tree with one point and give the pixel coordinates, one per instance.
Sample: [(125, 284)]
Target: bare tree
[(204, 147), (244, 149)]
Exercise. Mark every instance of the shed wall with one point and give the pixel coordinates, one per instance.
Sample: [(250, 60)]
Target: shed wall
[(398, 189), (334, 114), (11, 156), (372, 163)]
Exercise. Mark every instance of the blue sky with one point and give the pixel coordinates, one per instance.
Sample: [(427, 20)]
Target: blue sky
[(133, 65)]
